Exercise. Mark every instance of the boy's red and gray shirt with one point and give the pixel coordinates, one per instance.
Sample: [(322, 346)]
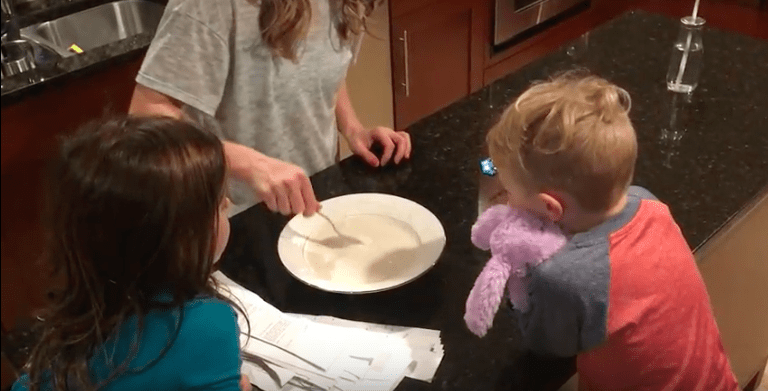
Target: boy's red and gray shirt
[(627, 299)]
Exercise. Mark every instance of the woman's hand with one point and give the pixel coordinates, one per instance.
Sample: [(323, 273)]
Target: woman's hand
[(245, 384), (284, 187), (360, 140), (397, 145)]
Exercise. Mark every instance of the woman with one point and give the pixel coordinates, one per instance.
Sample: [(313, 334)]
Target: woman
[(272, 72)]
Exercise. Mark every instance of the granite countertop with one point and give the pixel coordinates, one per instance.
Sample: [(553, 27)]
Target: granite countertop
[(16, 88), (706, 157)]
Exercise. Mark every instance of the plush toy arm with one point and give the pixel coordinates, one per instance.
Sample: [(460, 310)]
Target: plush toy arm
[(486, 223), (486, 295)]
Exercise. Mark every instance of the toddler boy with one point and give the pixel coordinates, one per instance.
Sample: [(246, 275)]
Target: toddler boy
[(624, 295)]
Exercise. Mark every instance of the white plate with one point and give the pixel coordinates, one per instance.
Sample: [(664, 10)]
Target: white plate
[(401, 241)]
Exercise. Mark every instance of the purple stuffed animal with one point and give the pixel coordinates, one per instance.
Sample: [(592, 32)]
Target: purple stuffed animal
[(517, 240)]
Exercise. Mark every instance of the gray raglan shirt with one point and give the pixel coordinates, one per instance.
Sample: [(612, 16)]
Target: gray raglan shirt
[(627, 298), (568, 294)]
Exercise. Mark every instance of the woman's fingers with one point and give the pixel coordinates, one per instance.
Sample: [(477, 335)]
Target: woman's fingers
[(299, 195), (360, 149), (403, 146), (308, 196), (285, 188), (397, 145), (385, 137), (407, 138), (296, 197), (267, 194), (283, 200)]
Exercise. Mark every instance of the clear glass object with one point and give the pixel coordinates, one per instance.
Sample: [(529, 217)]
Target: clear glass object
[(687, 55)]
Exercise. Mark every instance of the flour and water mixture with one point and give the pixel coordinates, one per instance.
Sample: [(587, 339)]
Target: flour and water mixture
[(386, 252)]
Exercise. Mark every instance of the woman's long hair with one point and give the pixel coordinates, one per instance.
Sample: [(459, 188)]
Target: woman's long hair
[(285, 23), (132, 207)]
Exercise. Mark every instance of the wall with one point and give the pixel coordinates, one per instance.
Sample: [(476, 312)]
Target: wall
[(369, 80)]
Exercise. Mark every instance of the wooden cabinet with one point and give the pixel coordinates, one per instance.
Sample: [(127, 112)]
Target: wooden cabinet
[(29, 137), (437, 55), (734, 268), (8, 372)]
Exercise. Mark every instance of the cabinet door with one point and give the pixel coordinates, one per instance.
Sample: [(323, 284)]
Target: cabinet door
[(437, 57), (30, 131)]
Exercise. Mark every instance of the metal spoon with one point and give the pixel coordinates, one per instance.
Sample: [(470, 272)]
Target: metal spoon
[(342, 240)]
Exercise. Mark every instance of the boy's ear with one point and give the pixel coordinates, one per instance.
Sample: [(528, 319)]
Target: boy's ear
[(551, 205)]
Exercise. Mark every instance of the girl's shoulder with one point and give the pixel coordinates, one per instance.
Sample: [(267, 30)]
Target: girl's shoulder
[(206, 307), (200, 315), (206, 322)]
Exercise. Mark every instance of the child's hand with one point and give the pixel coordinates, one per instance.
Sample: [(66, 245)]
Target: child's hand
[(245, 384)]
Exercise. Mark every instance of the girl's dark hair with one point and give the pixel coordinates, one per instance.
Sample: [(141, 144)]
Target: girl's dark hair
[(132, 206)]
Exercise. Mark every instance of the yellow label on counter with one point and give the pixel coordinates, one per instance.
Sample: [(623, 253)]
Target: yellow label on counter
[(75, 48)]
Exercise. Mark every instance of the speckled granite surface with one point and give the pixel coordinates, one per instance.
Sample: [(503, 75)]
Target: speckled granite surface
[(705, 157)]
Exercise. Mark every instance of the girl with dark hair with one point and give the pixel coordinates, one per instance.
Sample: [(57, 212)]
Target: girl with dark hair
[(137, 218), (272, 73)]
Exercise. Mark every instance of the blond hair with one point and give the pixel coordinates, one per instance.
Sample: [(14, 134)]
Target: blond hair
[(285, 23), (571, 133)]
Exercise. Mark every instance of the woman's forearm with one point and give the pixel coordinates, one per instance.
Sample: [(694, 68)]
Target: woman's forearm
[(242, 160), (346, 118)]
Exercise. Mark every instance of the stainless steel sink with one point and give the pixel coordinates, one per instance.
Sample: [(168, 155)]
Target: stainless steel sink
[(96, 27)]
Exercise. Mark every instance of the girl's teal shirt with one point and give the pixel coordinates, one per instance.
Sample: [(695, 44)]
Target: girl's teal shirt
[(204, 355)]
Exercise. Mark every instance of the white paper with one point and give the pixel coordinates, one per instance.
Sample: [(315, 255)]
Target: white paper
[(259, 377), (288, 363), (426, 348), (276, 355), (283, 375), (274, 327), (322, 352)]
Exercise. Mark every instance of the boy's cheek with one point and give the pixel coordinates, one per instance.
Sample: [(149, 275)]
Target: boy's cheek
[(502, 197)]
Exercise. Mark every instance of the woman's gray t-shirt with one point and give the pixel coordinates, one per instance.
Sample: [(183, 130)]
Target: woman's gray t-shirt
[(209, 55)]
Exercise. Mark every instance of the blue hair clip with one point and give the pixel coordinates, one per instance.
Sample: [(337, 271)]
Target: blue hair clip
[(487, 167)]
